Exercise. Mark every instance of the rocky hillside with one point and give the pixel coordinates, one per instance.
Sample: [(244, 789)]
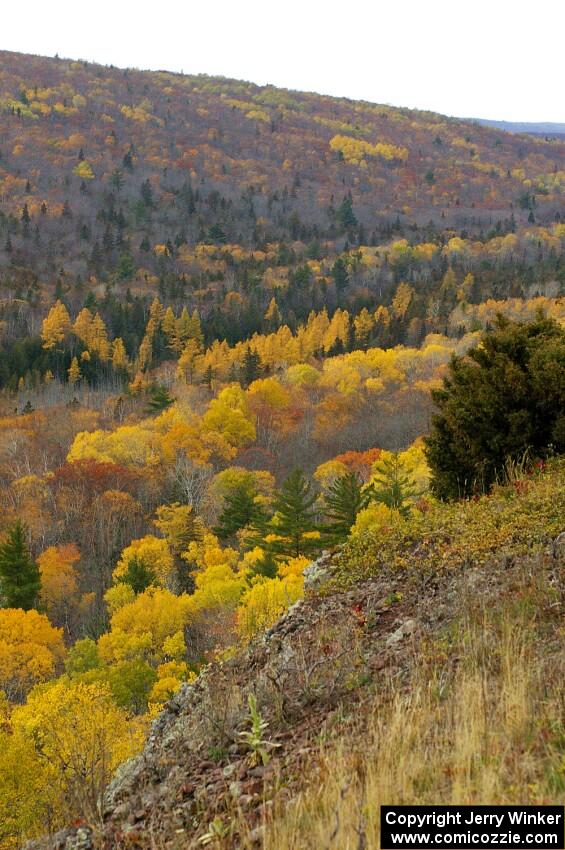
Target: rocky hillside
[(422, 666)]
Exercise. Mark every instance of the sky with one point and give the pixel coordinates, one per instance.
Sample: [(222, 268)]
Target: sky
[(498, 59)]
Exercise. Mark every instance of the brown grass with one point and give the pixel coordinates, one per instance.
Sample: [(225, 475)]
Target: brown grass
[(481, 722)]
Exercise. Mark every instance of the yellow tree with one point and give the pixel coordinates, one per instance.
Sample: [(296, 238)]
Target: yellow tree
[(82, 737), (169, 326), (189, 361), (363, 324), (145, 354), (229, 416), (273, 314), (31, 649), (119, 356), (98, 342), (56, 326), (74, 372), (28, 793), (142, 628), (82, 326), (59, 581), (179, 525)]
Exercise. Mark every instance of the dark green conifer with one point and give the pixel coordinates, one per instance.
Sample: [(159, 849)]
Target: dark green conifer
[(20, 580)]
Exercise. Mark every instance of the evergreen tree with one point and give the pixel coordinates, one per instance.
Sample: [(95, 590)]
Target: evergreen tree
[(147, 193), (240, 509), (505, 398), (266, 566), (251, 368), (138, 575), (340, 275), (345, 215), (19, 576), (392, 485), (342, 502), (293, 525), (160, 399)]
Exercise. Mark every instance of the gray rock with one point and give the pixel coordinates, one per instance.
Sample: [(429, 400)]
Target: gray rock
[(318, 572), (407, 628)]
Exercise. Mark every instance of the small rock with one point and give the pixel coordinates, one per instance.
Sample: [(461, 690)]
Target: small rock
[(407, 628), (259, 771)]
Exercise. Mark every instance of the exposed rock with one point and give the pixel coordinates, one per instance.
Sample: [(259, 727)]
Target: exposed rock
[(407, 628), (324, 655), (318, 571)]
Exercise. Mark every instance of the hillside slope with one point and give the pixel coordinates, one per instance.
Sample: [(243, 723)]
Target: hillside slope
[(424, 665), (252, 207), (110, 162)]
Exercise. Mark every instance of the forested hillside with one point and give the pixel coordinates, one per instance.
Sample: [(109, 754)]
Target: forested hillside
[(242, 327), (253, 206)]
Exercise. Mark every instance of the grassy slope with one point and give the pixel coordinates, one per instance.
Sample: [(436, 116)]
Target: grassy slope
[(429, 669)]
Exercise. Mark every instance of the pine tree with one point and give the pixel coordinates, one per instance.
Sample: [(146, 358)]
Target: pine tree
[(19, 576), (138, 575), (266, 566), (251, 368), (240, 509), (345, 215), (392, 485), (340, 275), (342, 502), (146, 193), (292, 531), (160, 400), (503, 399)]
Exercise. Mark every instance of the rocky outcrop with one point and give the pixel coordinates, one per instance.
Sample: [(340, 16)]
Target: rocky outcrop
[(325, 655)]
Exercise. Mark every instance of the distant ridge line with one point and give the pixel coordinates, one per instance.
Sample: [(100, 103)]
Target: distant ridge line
[(543, 127)]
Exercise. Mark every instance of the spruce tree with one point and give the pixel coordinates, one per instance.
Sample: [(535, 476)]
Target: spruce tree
[(392, 485), (502, 400), (19, 575), (343, 500), (251, 368), (340, 275), (240, 509), (294, 519), (138, 575), (160, 399), (345, 215)]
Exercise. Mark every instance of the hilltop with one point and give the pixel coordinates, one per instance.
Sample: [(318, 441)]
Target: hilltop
[(115, 162), (253, 206)]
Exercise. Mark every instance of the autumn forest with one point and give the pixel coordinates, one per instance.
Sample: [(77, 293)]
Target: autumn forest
[(239, 327)]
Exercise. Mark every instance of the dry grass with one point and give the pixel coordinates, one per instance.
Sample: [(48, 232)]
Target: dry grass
[(482, 722)]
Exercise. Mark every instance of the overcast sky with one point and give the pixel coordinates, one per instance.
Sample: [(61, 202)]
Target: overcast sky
[(473, 58)]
